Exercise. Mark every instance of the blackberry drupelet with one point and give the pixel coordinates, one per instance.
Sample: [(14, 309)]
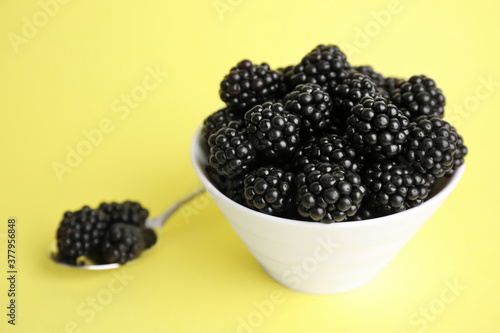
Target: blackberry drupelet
[(376, 78), (231, 153), (349, 93), (269, 190), (80, 233), (458, 158), (272, 130), (218, 120), (249, 84), (377, 128), (333, 149), (431, 145), (419, 96), (312, 104), (327, 193), (124, 242), (394, 187), (324, 64)]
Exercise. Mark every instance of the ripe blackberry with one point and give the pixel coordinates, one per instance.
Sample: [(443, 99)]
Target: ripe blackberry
[(218, 120), (377, 128), (269, 190), (231, 153), (312, 104), (376, 78), (431, 145), (249, 84), (124, 242), (333, 149), (458, 158), (348, 93), (272, 130), (327, 193), (419, 96), (80, 232), (324, 64), (393, 187), (129, 212)]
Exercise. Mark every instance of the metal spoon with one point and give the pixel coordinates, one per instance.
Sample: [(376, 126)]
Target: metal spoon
[(154, 223)]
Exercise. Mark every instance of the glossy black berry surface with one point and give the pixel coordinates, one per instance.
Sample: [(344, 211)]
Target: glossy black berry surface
[(419, 96), (431, 146), (272, 130), (269, 190), (377, 128), (327, 193), (312, 104), (248, 84)]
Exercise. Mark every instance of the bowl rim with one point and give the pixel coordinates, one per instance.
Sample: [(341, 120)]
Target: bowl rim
[(196, 146)]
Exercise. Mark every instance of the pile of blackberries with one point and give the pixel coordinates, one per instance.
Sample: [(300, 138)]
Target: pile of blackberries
[(322, 141), (112, 233)]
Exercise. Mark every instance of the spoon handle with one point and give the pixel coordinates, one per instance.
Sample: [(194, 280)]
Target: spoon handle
[(158, 222)]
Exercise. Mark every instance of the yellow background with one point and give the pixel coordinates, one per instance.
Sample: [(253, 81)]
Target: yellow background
[(65, 76)]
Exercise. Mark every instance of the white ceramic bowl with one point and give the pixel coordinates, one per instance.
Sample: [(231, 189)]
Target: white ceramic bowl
[(318, 258)]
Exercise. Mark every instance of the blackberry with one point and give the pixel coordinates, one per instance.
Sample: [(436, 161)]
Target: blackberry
[(124, 242), (269, 190), (333, 149), (312, 104), (80, 232), (419, 96), (324, 64), (376, 78), (231, 153), (349, 93), (458, 158), (129, 212), (393, 187), (272, 130), (327, 193), (249, 84), (218, 120), (377, 128), (431, 145)]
